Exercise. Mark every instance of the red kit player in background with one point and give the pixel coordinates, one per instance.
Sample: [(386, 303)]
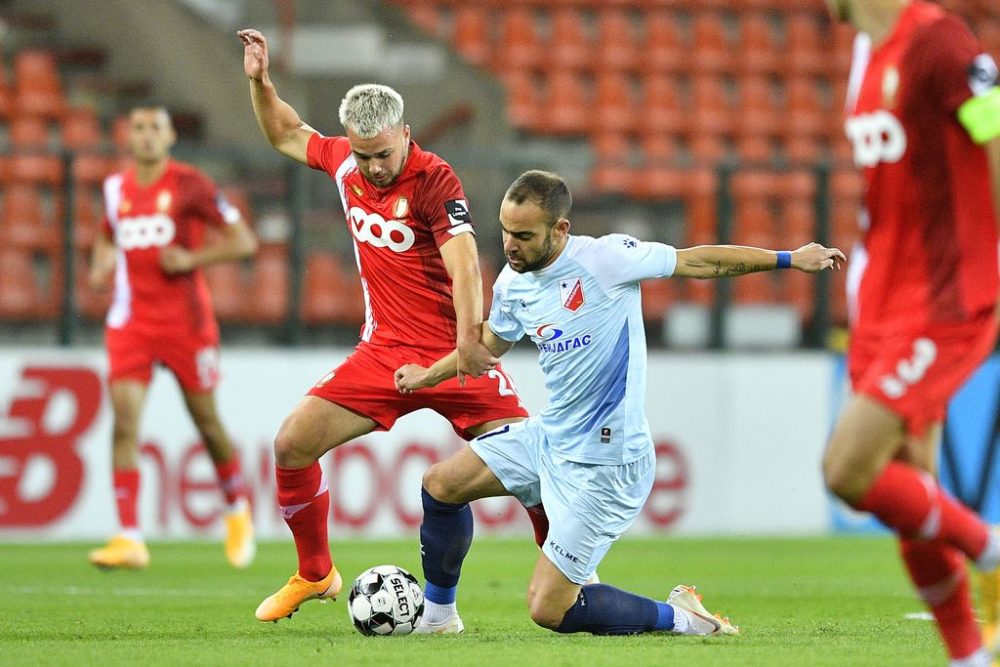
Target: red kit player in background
[(416, 253), (161, 313), (924, 121)]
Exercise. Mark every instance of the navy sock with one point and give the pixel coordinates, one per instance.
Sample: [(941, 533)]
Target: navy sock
[(605, 610), (445, 538)]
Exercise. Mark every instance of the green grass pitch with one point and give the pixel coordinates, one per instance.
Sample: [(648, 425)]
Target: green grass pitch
[(799, 601)]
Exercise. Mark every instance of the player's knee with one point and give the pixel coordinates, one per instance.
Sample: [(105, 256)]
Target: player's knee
[(440, 484), (841, 480), (544, 614), (290, 447)]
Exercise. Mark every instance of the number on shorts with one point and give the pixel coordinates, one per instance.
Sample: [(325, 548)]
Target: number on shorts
[(506, 387), (910, 371)]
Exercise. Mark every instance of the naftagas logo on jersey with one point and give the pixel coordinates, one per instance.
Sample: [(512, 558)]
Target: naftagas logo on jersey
[(550, 339)]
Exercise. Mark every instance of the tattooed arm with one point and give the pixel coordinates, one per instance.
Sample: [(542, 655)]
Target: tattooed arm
[(719, 261)]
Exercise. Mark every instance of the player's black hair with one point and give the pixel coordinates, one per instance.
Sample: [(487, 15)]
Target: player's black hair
[(546, 189)]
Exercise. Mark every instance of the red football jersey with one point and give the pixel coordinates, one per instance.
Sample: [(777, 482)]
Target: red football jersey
[(397, 234), (929, 228), (142, 220)]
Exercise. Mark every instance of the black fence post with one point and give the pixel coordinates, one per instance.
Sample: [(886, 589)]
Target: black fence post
[(819, 329), (67, 309), (292, 333), (724, 230)]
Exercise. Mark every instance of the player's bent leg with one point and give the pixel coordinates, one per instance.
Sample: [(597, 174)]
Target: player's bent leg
[(127, 549), (865, 438), (240, 544), (313, 428), (446, 533)]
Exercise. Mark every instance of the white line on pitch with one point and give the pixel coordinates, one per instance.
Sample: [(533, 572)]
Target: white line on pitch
[(125, 592)]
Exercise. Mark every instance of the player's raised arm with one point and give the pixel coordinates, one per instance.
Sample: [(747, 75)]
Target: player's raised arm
[(719, 261), (279, 122), (411, 377)]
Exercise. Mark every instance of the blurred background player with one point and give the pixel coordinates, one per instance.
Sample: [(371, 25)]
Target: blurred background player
[(413, 237), (922, 103), (589, 455), (161, 314)]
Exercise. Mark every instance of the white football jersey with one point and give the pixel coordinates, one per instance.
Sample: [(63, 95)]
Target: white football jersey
[(584, 312)]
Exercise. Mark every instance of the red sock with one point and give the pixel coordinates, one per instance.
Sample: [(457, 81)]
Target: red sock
[(938, 572), (231, 479), (126, 485), (913, 504), (539, 522), (305, 506)]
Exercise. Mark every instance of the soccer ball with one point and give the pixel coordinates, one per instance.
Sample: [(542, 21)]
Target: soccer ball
[(385, 600)]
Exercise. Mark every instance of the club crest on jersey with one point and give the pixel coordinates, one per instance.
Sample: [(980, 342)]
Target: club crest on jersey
[(890, 87), (124, 207), (571, 291), (357, 190), (401, 208), (163, 201)]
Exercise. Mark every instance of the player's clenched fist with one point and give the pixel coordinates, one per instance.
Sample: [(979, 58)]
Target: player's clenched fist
[(410, 377), (254, 53)]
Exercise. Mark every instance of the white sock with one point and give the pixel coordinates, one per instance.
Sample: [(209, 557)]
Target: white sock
[(237, 505), (133, 534), (682, 624), (989, 560), (435, 614), (981, 658)]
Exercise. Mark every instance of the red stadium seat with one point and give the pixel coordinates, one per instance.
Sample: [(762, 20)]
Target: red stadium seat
[(710, 44), (6, 93), (523, 101), (36, 169), (88, 216), (615, 107), (757, 49), (269, 287), (757, 109), (569, 46), (39, 91), (656, 297), (81, 130), (20, 296), (567, 107), (662, 107), (331, 293), (520, 45), (426, 16), (29, 133), (662, 48), (712, 113), (611, 147), (91, 168), (617, 47), (229, 291), (807, 49), (659, 150), (24, 222), (471, 35), (805, 112)]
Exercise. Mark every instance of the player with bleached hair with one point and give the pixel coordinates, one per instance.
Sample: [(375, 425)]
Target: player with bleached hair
[(589, 455), (416, 251)]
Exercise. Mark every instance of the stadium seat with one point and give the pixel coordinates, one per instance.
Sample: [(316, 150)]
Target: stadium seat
[(6, 92), (426, 16), (24, 222), (805, 114), (712, 114), (659, 150), (567, 107), (615, 107), (662, 108), (656, 297), (229, 291), (39, 91), (332, 292), (519, 45), (523, 101), (20, 296), (568, 45), (35, 169), (81, 130), (612, 148), (757, 109), (617, 47), (806, 47), (662, 48), (88, 216), (269, 287), (91, 168), (839, 64), (607, 178), (757, 48), (710, 44), (30, 133), (471, 34)]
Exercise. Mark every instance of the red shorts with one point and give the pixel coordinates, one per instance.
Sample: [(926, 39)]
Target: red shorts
[(194, 359), (916, 374), (364, 384)]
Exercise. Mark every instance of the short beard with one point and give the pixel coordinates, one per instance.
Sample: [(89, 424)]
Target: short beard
[(543, 259)]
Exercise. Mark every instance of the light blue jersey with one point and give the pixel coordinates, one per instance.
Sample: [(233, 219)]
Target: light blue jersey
[(585, 315)]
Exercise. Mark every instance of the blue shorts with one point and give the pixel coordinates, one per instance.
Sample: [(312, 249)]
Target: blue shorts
[(589, 506)]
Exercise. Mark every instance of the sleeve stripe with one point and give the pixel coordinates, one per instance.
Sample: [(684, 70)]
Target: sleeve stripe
[(981, 116), (459, 229)]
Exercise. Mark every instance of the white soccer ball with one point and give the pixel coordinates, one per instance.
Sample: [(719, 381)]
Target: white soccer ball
[(385, 600)]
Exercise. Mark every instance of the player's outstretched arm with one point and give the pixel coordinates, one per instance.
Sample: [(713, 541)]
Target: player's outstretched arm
[(279, 122), (461, 259), (412, 377), (719, 261)]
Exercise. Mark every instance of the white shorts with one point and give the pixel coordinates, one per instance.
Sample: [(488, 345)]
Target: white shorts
[(589, 506)]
